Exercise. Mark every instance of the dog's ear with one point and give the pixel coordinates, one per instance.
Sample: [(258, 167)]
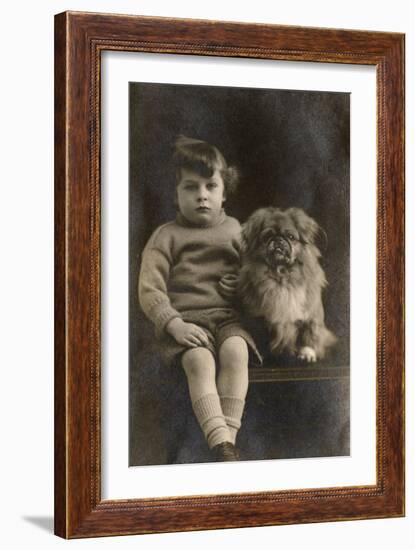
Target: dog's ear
[(307, 227), (252, 228)]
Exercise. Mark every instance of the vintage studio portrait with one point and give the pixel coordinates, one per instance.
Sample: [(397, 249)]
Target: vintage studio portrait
[(239, 280)]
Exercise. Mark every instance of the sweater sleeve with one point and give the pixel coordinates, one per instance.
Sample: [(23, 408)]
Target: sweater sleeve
[(152, 286)]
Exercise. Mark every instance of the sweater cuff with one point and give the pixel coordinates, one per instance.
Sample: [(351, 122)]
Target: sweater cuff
[(162, 316)]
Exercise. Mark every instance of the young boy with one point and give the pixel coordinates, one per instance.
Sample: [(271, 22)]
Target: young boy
[(187, 279)]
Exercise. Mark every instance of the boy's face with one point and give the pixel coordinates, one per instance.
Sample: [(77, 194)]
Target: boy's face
[(200, 199)]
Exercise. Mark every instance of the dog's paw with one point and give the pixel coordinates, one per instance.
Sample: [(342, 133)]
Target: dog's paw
[(307, 354)]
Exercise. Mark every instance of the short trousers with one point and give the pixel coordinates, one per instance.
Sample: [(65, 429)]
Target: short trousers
[(218, 324)]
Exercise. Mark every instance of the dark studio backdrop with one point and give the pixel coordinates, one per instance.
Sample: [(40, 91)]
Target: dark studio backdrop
[(291, 149)]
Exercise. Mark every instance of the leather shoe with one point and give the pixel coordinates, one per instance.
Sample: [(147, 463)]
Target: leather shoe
[(225, 452)]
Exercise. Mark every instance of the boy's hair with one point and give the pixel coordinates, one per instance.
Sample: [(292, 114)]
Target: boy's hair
[(203, 158)]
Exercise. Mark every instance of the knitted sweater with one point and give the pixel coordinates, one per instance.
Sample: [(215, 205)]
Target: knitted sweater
[(182, 265)]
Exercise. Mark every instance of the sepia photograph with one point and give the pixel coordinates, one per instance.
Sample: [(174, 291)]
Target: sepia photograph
[(239, 274)]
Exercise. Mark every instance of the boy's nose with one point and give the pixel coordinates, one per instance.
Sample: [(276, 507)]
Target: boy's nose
[(202, 194)]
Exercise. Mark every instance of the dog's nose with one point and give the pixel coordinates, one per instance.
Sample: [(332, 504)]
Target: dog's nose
[(281, 241), (279, 244)]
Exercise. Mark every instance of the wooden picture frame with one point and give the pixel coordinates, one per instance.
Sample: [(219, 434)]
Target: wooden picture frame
[(80, 38)]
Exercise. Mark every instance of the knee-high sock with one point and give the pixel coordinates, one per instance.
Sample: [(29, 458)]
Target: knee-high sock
[(233, 408), (209, 414)]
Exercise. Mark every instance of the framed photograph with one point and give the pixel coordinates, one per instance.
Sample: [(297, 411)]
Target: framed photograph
[(229, 275)]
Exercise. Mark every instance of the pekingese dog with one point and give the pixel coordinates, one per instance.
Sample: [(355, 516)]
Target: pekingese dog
[(281, 280)]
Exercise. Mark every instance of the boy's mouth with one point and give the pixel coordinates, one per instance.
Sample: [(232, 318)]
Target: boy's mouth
[(203, 209)]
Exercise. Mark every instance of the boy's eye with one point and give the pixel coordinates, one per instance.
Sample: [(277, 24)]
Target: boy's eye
[(212, 185)]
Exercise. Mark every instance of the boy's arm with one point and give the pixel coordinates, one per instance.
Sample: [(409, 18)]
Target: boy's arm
[(154, 300), (228, 285), (152, 288)]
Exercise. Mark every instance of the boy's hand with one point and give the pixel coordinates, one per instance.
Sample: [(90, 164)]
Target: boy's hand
[(187, 334), (228, 285)]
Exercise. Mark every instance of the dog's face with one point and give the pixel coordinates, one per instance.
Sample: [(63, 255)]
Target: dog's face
[(279, 237)]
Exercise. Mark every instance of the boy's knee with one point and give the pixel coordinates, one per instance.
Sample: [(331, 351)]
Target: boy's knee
[(234, 351), (195, 359)]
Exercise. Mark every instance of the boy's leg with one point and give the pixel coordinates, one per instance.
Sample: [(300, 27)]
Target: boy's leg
[(199, 366), (232, 382)]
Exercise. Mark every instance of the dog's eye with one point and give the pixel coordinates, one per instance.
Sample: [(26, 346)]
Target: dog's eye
[(290, 236), (267, 234)]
